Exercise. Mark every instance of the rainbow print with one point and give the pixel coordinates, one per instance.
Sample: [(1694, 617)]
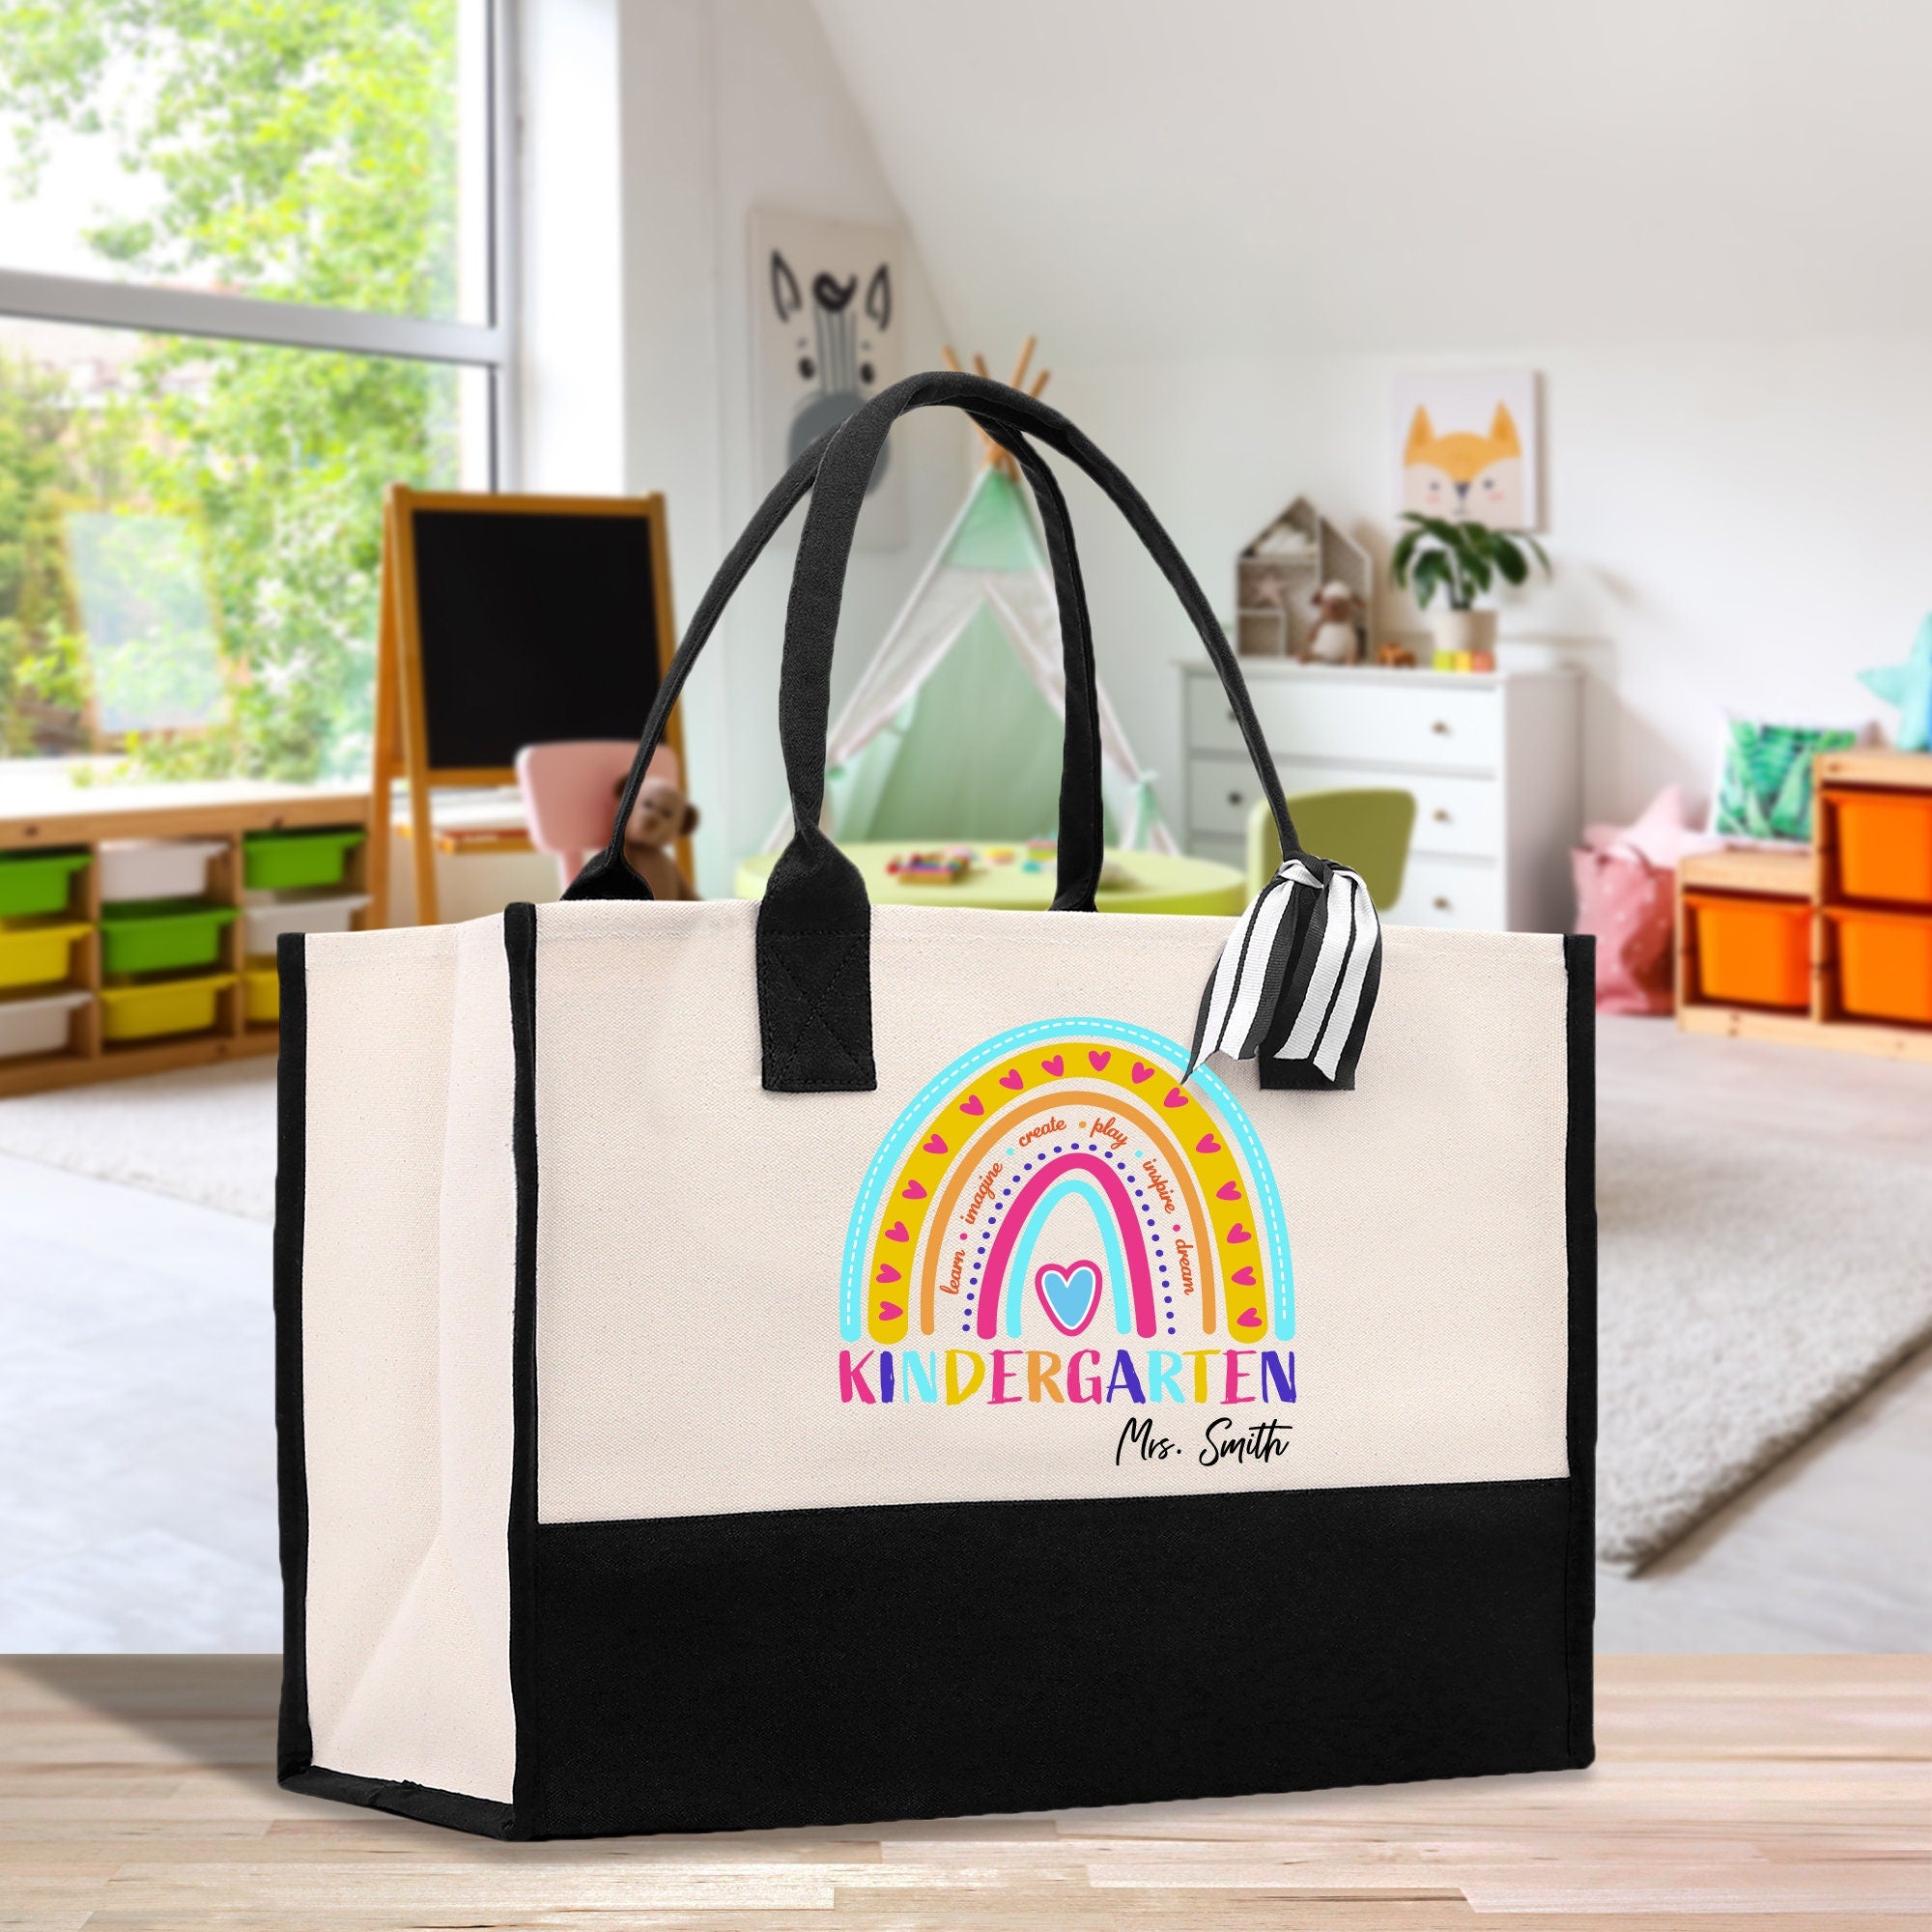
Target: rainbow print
[(1063, 1178)]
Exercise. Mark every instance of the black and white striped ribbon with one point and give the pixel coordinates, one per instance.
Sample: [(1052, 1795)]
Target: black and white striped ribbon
[(1298, 978)]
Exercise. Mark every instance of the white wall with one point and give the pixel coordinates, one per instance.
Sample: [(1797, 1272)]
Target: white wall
[(654, 127), (1734, 524)]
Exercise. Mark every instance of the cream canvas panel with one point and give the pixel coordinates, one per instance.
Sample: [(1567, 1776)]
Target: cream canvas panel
[(408, 1301), (692, 1229)]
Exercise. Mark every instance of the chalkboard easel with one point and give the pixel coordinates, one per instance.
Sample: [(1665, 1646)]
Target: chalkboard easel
[(508, 620)]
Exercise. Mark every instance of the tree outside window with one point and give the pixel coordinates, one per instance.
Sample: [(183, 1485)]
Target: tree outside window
[(187, 522)]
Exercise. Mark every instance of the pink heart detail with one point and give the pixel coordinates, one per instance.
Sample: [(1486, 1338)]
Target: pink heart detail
[(1206, 1143), (1245, 1276), (897, 1233), (1097, 1060), (890, 1311), (1227, 1191), (1142, 1072), (1237, 1232), (1248, 1318), (1012, 1078), (1174, 1098), (1070, 1294), (887, 1273), (913, 1191), (971, 1105), (934, 1146), (1056, 1067)]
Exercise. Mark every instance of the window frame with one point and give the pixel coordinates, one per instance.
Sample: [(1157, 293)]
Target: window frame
[(489, 346)]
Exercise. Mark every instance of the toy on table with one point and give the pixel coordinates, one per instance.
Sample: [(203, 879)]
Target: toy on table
[(1908, 686), (1041, 853), (660, 815), (1393, 656), (931, 869), (1334, 640)]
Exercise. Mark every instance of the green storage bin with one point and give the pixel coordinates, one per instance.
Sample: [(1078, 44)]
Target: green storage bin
[(162, 935), (31, 882), (276, 861)]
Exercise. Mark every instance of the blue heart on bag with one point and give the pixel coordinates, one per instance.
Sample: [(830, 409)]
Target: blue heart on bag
[(1069, 1295)]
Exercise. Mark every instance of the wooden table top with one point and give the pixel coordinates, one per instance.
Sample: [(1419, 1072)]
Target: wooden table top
[(1791, 1792)]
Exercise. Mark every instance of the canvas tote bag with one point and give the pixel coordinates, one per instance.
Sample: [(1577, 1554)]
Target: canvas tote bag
[(768, 1364)]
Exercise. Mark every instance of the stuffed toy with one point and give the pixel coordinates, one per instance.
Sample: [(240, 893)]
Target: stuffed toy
[(1334, 640), (662, 813)]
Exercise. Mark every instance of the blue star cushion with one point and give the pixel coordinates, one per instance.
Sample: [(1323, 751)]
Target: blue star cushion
[(1908, 686)]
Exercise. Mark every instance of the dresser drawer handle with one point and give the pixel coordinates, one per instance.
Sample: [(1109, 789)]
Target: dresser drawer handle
[(1441, 902), (1440, 815), (1440, 727), (1236, 797)]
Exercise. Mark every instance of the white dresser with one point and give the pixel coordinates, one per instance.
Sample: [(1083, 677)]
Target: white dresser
[(1494, 761)]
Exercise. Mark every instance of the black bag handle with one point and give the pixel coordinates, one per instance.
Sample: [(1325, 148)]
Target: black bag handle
[(1082, 842), (814, 921)]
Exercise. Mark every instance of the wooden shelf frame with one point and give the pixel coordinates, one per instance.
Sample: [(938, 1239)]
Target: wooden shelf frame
[(1811, 876), (228, 813)]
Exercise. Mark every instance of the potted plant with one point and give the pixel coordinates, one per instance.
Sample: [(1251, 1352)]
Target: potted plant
[(1461, 561)]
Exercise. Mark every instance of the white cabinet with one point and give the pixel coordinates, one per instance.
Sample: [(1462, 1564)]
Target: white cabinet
[(1494, 763)]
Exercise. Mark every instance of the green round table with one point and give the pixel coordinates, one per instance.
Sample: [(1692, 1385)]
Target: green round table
[(1147, 882)]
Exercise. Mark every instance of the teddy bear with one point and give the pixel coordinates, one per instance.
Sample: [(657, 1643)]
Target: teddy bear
[(662, 813), (1334, 638)]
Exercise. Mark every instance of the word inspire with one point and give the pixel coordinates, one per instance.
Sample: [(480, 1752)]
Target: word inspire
[(1222, 1375)]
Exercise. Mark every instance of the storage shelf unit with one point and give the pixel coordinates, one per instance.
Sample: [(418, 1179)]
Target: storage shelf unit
[(57, 816), (1811, 878)]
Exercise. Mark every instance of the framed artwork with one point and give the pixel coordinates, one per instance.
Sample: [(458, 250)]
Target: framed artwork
[(827, 334), (1468, 447)]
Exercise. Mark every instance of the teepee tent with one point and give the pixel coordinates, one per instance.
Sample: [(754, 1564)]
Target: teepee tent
[(953, 732)]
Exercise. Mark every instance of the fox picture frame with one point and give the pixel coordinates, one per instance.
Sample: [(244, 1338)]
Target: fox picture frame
[(1468, 446)]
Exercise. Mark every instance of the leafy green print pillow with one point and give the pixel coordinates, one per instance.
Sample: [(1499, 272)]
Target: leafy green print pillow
[(1763, 784)]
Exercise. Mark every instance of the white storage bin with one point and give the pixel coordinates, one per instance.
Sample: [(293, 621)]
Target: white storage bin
[(37, 1024), (266, 915), (156, 868)]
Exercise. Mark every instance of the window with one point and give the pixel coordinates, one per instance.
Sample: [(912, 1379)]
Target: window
[(251, 264)]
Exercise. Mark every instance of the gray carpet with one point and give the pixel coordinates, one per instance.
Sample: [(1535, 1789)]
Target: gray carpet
[(1750, 1286)]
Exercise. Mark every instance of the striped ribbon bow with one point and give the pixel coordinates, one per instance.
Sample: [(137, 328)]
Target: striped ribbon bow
[(1296, 980)]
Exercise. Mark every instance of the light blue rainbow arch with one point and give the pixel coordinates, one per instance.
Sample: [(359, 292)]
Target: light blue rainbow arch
[(1151, 1046)]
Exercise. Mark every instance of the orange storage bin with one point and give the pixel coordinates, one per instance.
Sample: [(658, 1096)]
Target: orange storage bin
[(1884, 845), (1885, 964), (1755, 952)]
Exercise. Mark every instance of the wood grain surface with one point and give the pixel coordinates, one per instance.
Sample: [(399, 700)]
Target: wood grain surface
[(136, 1793)]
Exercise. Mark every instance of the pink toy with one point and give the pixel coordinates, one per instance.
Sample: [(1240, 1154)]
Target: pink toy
[(569, 794), (1626, 878)]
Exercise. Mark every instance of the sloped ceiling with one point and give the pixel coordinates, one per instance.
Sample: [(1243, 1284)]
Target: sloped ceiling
[(1204, 178)]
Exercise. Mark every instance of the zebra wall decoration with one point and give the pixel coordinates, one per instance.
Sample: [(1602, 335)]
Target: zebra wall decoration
[(828, 297)]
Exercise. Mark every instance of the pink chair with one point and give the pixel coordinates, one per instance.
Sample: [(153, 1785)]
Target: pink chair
[(570, 794)]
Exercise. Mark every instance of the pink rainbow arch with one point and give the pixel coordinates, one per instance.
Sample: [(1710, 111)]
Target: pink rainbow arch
[(1140, 1279)]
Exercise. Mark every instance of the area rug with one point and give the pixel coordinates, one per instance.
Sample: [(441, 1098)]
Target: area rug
[(1750, 1286), (205, 1134)]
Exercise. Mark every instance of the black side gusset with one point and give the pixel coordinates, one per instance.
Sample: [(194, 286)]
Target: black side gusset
[(1580, 1180), (293, 1747), (519, 942)]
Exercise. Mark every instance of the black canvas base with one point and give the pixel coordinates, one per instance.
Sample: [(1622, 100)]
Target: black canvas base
[(404, 1801), (809, 1667)]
